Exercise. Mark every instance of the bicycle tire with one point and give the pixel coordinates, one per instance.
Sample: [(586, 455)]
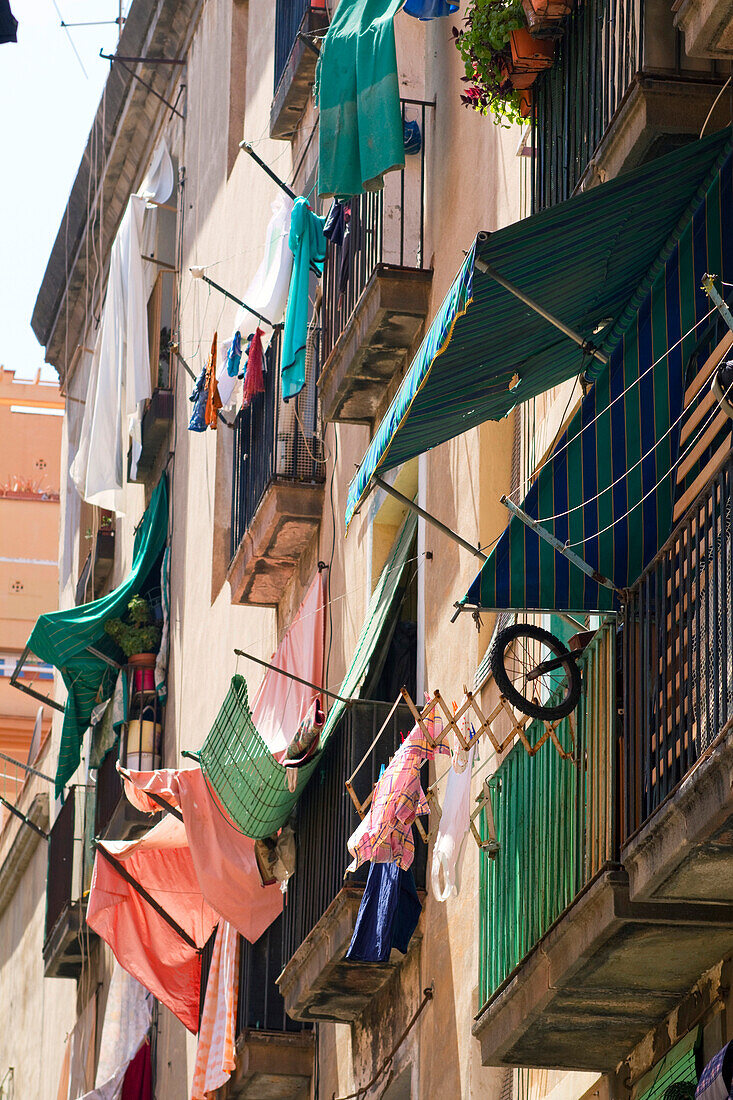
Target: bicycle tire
[(506, 686)]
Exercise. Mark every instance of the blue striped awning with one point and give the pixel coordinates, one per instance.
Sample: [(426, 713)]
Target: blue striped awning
[(590, 262), (608, 490)]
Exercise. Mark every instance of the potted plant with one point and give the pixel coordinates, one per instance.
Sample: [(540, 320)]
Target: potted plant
[(138, 636), (544, 17), (484, 42), (529, 57)]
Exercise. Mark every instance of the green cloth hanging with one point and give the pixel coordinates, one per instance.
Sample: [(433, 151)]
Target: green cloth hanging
[(62, 637), (308, 246), (360, 133)]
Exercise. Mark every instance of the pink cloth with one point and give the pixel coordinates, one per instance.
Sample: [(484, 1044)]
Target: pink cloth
[(385, 834), (143, 943), (223, 859), (216, 1050), (280, 703)]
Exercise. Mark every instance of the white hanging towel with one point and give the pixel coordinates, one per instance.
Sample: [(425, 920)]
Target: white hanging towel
[(454, 825), (127, 1018), (268, 291), (120, 378)]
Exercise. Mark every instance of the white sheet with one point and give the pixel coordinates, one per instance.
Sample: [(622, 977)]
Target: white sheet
[(126, 1022)]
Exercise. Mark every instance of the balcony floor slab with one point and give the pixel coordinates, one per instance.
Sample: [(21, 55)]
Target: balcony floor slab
[(281, 529), (272, 1066), (707, 26), (607, 971), (369, 356)]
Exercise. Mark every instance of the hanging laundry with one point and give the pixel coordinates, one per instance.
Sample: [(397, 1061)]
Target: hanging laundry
[(234, 355), (430, 9), (213, 400), (360, 126), (268, 291), (127, 1019), (161, 661), (227, 382), (119, 377), (333, 227), (339, 231), (254, 374), (8, 23), (215, 1053), (388, 914), (138, 1083), (276, 857), (454, 825), (308, 246), (305, 743), (385, 834), (198, 398), (412, 137)]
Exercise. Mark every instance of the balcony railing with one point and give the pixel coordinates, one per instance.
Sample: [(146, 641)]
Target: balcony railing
[(289, 18), (327, 817), (387, 227), (607, 46), (678, 653), (70, 861), (274, 440), (556, 823)]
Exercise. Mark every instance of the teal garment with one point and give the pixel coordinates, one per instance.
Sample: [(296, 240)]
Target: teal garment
[(62, 637), (360, 125), (308, 246)]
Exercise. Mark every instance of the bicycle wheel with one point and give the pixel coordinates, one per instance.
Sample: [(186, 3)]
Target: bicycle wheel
[(535, 672)]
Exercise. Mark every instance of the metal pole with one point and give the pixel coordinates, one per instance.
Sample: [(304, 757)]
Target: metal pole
[(475, 550), (29, 691), (557, 545), (486, 269), (292, 676), (709, 288), (266, 168), (128, 878), (26, 820)]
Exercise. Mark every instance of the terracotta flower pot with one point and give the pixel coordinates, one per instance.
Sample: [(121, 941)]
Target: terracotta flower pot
[(544, 17), (530, 55), (525, 102)]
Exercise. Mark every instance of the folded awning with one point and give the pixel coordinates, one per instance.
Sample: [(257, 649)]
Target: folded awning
[(66, 638), (145, 903), (223, 859), (589, 262), (607, 491), (243, 774)]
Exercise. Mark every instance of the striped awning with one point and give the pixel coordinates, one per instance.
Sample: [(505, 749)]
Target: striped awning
[(609, 489), (590, 262)]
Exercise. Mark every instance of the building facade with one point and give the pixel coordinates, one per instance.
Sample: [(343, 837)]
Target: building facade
[(586, 950)]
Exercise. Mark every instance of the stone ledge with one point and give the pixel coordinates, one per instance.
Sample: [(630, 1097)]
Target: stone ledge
[(370, 355), (707, 26), (272, 1065)]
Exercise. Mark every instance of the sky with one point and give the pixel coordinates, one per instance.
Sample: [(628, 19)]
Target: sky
[(48, 108)]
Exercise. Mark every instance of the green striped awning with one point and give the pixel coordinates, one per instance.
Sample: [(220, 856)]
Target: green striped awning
[(62, 637), (248, 781), (607, 492), (678, 1067), (589, 261)]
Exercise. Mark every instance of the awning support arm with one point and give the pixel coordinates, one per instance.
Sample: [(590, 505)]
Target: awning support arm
[(709, 288), (103, 657), (29, 691), (266, 168), (26, 820), (475, 550), (586, 345), (154, 797), (26, 767), (292, 676), (557, 545), (198, 273), (125, 874)]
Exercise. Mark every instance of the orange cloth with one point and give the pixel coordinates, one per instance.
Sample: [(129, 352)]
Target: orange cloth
[(281, 703), (215, 1053), (223, 859), (143, 943), (213, 400)]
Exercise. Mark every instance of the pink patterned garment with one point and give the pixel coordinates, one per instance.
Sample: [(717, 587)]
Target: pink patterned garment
[(385, 834), (215, 1054)]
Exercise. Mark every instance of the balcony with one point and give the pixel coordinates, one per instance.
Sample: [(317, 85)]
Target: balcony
[(156, 423), (316, 982), (376, 299), (707, 27), (623, 78), (295, 62), (277, 484), (275, 1055), (625, 852), (69, 875)]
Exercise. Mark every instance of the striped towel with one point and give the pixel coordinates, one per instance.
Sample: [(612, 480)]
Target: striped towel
[(215, 1054)]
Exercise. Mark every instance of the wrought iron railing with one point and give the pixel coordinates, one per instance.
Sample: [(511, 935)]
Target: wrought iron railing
[(260, 1006), (108, 792), (556, 822), (386, 227), (274, 439), (66, 852), (289, 18), (678, 652), (327, 817)]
